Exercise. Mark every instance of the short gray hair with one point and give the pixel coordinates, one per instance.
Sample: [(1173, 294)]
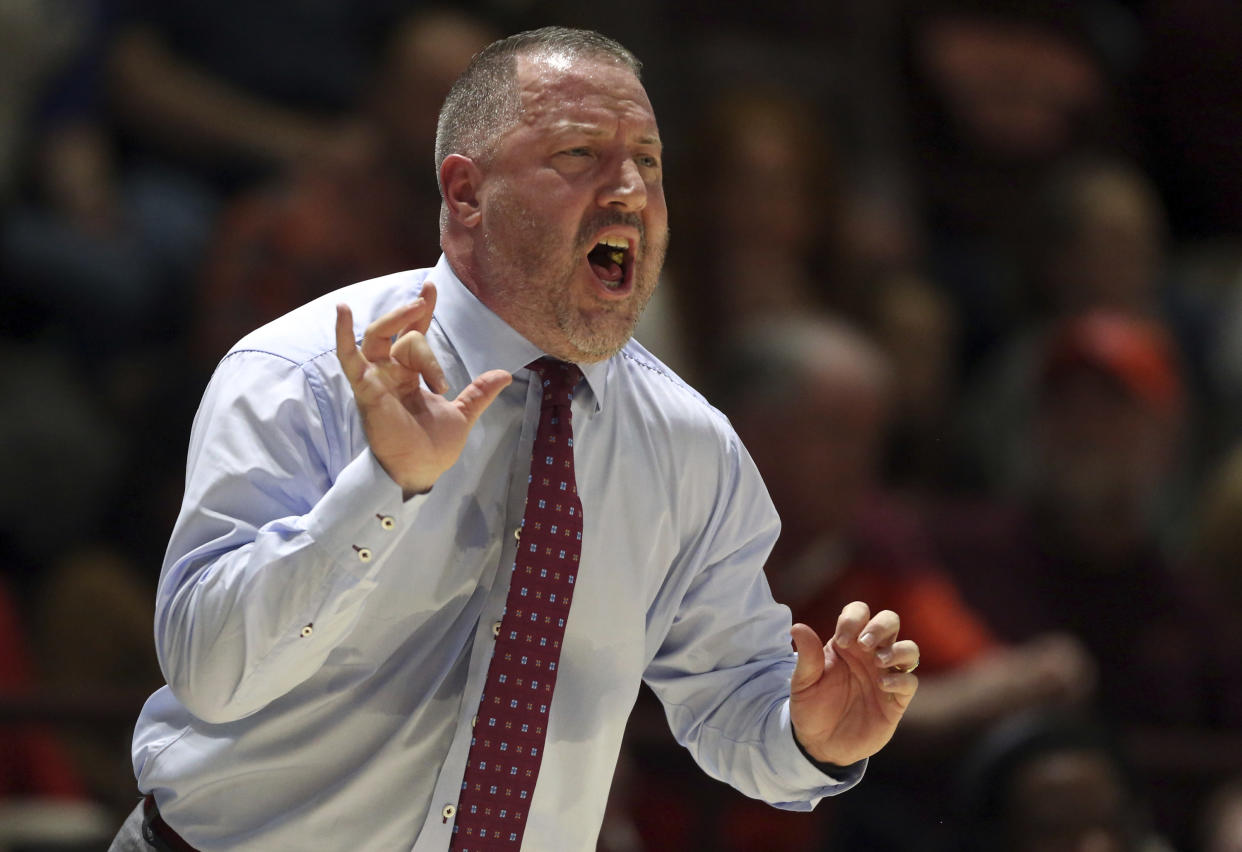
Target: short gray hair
[(483, 103)]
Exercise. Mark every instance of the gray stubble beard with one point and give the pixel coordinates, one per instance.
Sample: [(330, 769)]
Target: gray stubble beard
[(591, 344)]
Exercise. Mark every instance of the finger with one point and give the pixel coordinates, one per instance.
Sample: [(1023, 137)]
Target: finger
[(422, 319), (850, 623), (347, 345), (880, 630), (479, 394), (377, 339), (413, 352), (810, 665), (900, 683), (902, 655)]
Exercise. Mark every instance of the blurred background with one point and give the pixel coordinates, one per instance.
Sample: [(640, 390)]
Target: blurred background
[(981, 260)]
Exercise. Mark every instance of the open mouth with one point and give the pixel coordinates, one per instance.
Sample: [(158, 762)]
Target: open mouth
[(612, 261)]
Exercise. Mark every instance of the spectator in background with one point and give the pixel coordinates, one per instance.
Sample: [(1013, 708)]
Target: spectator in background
[(316, 229), (66, 518), (1046, 784), (77, 263), (1095, 242), (1081, 543), (1079, 547), (211, 96), (755, 239), (33, 763), (38, 41), (1002, 92), (92, 623)]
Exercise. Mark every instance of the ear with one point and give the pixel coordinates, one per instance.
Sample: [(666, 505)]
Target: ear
[(460, 177)]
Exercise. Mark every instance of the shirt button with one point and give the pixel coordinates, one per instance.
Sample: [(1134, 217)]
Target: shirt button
[(364, 553), (307, 630), (517, 534), (387, 522), (448, 812), (474, 721), (496, 629)]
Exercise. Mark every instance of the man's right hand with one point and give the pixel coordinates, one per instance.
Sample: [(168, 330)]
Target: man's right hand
[(414, 431)]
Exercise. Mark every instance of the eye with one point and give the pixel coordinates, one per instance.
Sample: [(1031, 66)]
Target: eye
[(580, 151), (648, 161)]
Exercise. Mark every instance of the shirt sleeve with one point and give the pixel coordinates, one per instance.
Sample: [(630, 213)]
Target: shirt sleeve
[(723, 668), (281, 534)]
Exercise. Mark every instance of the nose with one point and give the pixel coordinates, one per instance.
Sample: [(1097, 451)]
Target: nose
[(624, 187)]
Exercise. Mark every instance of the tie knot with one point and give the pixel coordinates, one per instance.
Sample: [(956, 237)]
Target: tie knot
[(559, 379)]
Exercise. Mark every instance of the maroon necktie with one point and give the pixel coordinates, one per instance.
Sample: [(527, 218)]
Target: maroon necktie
[(512, 723)]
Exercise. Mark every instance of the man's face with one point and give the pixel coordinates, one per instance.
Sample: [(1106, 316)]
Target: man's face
[(574, 225)]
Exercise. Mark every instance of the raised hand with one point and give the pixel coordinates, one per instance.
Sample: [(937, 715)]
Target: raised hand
[(414, 431), (846, 697)]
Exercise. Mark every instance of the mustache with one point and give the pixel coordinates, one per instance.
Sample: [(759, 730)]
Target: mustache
[(606, 218)]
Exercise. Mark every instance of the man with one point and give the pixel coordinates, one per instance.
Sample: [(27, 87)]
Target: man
[(336, 618)]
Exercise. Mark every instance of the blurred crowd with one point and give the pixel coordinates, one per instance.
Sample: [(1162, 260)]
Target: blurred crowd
[(966, 275)]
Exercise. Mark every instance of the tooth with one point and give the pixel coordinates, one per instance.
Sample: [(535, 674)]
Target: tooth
[(616, 242), (617, 257)]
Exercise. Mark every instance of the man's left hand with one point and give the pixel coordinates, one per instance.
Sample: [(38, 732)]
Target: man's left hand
[(846, 697)]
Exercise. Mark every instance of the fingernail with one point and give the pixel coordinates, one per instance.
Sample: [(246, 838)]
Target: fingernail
[(889, 681), (842, 641), (867, 640), (885, 657)]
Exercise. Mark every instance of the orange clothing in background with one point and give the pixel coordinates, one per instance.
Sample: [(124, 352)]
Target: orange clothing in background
[(889, 563)]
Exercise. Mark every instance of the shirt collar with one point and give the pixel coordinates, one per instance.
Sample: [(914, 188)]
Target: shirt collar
[(484, 341)]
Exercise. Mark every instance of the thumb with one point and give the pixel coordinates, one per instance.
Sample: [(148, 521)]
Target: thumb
[(810, 666), (479, 394)]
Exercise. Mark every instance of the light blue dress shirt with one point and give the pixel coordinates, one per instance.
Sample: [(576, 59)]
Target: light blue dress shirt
[(325, 643)]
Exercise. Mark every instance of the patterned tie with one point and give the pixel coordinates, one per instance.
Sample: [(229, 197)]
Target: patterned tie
[(509, 731)]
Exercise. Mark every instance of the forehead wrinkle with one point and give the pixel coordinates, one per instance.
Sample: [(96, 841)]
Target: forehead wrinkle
[(583, 128), (593, 122), (571, 126)]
